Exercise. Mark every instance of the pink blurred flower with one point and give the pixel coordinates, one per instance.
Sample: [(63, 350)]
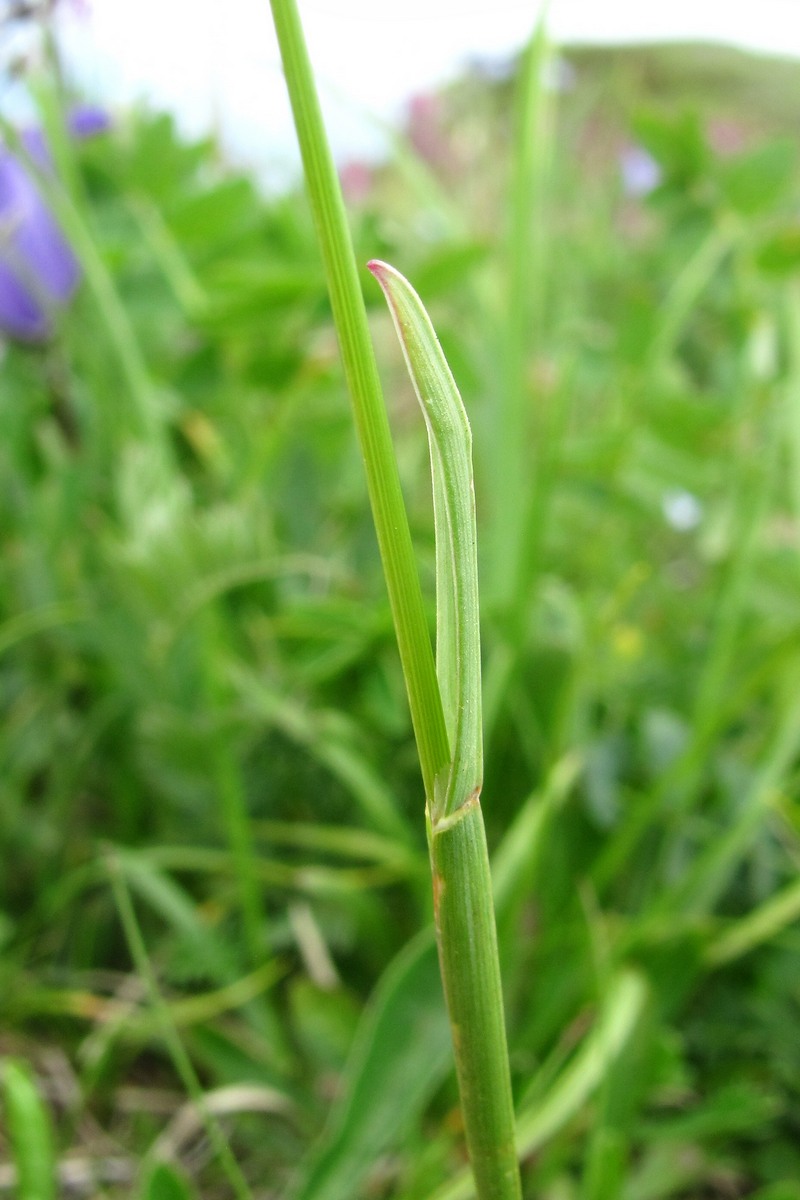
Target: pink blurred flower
[(356, 180), (426, 129)]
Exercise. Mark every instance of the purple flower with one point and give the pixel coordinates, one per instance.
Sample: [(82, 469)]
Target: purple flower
[(86, 120), (83, 120), (640, 171), (38, 270)]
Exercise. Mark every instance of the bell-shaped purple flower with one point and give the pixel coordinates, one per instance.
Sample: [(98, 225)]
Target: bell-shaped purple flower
[(38, 270)]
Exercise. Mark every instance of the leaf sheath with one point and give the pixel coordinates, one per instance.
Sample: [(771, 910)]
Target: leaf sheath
[(465, 932)]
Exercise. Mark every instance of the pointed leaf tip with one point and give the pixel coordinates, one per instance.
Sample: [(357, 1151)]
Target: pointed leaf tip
[(381, 271)]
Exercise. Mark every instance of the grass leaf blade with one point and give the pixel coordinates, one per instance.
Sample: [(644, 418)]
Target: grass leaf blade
[(458, 652)]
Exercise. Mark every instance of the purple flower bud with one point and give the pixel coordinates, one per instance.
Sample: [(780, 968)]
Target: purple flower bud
[(87, 120), (38, 270)]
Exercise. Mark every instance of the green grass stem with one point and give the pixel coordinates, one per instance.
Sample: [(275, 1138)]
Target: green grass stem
[(462, 883), (540, 1120), (467, 940), (447, 711)]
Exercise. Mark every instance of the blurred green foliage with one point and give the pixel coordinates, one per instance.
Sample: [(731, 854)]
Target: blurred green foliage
[(201, 695)]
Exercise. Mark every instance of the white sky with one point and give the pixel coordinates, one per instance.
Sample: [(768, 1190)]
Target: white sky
[(216, 64)]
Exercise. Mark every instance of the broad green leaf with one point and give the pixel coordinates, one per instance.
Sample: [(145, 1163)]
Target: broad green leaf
[(779, 253), (166, 1182), (323, 1022), (678, 143), (401, 1054), (755, 182)]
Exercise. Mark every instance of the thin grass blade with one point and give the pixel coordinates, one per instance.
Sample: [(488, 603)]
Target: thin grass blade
[(358, 357), (29, 1132)]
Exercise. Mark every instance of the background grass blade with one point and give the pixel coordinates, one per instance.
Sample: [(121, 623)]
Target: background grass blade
[(401, 1054), (30, 1133)]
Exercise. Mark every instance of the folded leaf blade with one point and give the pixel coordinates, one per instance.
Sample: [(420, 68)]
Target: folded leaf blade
[(458, 624)]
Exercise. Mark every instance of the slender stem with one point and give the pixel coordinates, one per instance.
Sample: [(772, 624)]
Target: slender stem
[(383, 481), (623, 1007), (465, 932)]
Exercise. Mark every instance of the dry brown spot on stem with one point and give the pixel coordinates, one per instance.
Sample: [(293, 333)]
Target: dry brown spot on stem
[(439, 886)]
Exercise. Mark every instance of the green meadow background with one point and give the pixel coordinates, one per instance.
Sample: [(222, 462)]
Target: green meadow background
[(217, 969)]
